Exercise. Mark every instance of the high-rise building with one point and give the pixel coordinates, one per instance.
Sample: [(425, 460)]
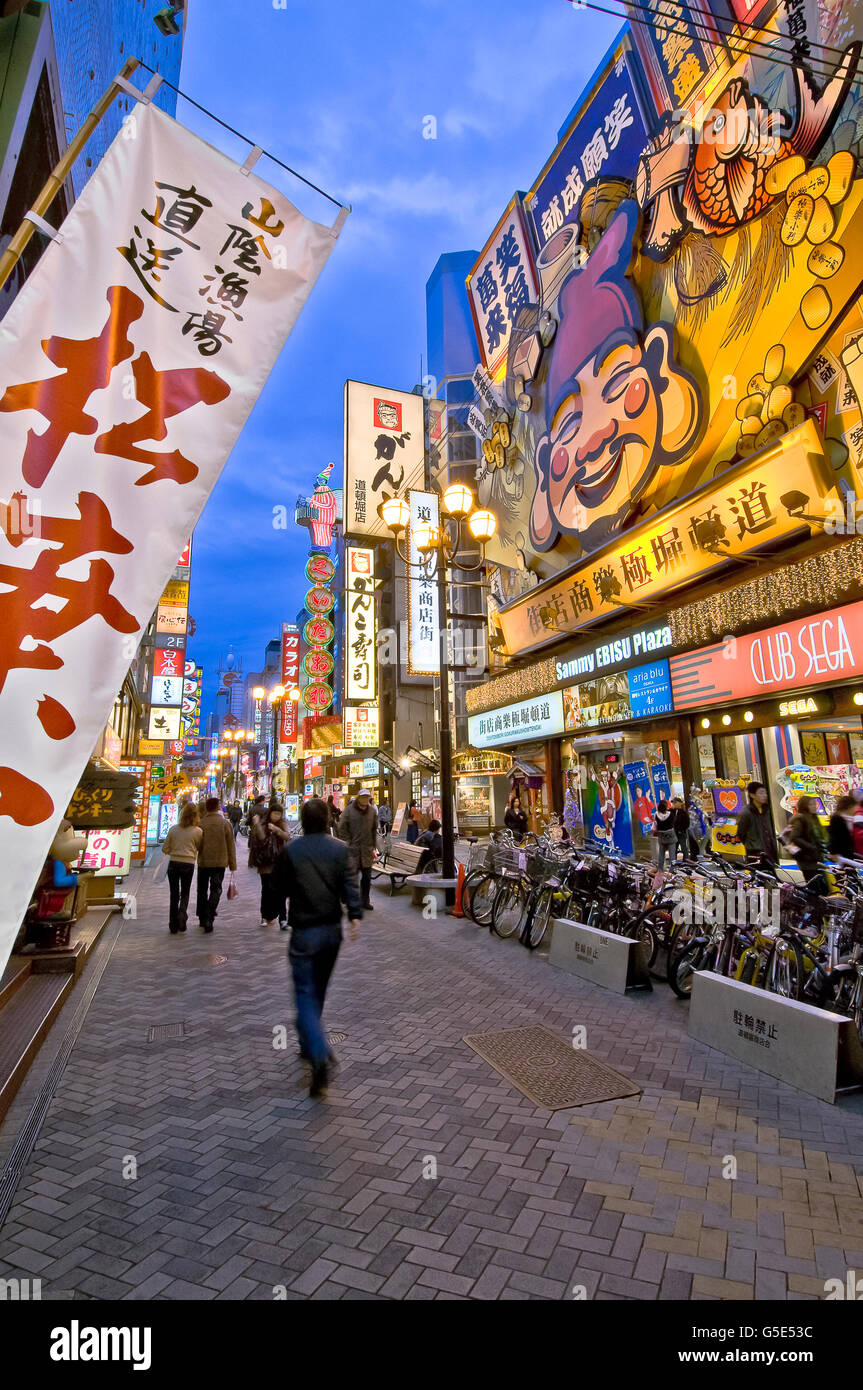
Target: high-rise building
[(57, 59), (93, 39)]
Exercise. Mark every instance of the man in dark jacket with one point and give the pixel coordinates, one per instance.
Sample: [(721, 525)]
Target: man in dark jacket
[(754, 826), (235, 815), (318, 878), (358, 827), (217, 853)]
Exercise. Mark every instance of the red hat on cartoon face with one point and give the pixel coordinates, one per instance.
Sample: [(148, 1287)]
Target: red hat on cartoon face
[(595, 302)]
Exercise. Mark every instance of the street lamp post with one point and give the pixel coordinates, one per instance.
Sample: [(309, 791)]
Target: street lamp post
[(222, 754), (439, 545)]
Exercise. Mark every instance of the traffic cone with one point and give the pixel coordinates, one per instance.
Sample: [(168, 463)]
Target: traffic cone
[(456, 910)]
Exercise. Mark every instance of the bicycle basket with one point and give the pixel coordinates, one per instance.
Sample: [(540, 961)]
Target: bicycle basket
[(508, 861), (542, 867)]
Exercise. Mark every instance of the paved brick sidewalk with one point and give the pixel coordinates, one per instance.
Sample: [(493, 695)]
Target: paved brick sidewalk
[(244, 1184)]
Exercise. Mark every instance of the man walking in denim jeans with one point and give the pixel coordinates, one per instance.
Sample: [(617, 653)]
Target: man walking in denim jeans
[(318, 878)]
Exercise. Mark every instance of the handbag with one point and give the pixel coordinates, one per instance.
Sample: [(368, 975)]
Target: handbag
[(233, 890)]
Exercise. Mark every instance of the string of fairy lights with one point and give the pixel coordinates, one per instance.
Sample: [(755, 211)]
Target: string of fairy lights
[(820, 581)]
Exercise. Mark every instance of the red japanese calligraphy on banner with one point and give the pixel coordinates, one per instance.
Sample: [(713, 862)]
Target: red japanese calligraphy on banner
[(128, 366), (290, 676)]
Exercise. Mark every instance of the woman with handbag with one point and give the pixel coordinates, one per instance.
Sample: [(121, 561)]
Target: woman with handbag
[(663, 829), (266, 838), (804, 839), (181, 845)]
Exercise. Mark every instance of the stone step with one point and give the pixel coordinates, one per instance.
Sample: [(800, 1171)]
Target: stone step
[(13, 977), (24, 1024)]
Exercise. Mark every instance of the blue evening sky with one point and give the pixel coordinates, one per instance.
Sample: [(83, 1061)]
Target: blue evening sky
[(339, 90)]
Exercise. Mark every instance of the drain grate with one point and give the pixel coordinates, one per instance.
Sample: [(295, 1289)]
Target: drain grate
[(161, 1032), (336, 1037)]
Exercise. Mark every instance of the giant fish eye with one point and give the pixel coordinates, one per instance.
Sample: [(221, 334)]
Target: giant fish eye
[(719, 123)]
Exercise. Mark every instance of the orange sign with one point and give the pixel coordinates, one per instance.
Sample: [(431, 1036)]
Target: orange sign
[(810, 651)]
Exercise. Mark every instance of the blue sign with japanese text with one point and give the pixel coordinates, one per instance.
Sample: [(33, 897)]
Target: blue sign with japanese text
[(673, 38), (605, 142), (650, 689)]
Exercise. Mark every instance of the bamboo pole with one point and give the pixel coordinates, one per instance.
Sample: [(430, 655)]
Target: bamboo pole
[(14, 250)]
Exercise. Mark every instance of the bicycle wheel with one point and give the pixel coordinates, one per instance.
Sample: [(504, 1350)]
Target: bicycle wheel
[(650, 931), (509, 909), (537, 922), (785, 970), (844, 996), (477, 896), (683, 967)]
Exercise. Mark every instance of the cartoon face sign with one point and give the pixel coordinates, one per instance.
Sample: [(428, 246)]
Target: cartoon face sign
[(618, 405)]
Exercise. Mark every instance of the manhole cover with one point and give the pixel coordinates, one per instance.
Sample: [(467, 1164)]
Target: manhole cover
[(161, 1032), (546, 1069), (336, 1037)]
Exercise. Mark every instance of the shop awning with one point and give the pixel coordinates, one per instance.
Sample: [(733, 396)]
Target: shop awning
[(534, 775)]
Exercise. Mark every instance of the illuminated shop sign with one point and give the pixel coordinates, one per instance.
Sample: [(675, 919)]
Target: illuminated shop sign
[(616, 652), (541, 717), (811, 651)]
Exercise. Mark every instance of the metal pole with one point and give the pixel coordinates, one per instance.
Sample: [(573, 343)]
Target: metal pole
[(16, 246), (447, 827)]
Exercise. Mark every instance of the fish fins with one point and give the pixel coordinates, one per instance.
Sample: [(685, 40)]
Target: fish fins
[(740, 186), (817, 112)]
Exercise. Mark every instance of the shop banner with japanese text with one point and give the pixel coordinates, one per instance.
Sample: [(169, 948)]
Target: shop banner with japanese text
[(128, 365)]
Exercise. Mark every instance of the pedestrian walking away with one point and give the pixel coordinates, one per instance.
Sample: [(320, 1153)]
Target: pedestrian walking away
[(334, 813), (358, 827), (181, 845), (385, 818), (316, 874), (663, 829), (267, 837), (681, 826), (235, 815), (217, 853)]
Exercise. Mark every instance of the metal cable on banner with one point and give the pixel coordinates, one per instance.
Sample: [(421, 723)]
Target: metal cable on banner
[(246, 140), (705, 35), (696, 17)]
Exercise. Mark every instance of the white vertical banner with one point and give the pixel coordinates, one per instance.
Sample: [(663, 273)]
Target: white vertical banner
[(384, 453), (423, 616), (360, 646), (128, 366)]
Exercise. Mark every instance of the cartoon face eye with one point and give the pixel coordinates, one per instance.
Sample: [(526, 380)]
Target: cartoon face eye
[(719, 124)]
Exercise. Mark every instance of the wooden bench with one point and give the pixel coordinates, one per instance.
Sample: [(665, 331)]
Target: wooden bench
[(430, 886), (400, 861)]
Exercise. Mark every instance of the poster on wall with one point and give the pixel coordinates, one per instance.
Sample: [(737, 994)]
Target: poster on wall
[(661, 784), (605, 802), (384, 453), (641, 795)]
